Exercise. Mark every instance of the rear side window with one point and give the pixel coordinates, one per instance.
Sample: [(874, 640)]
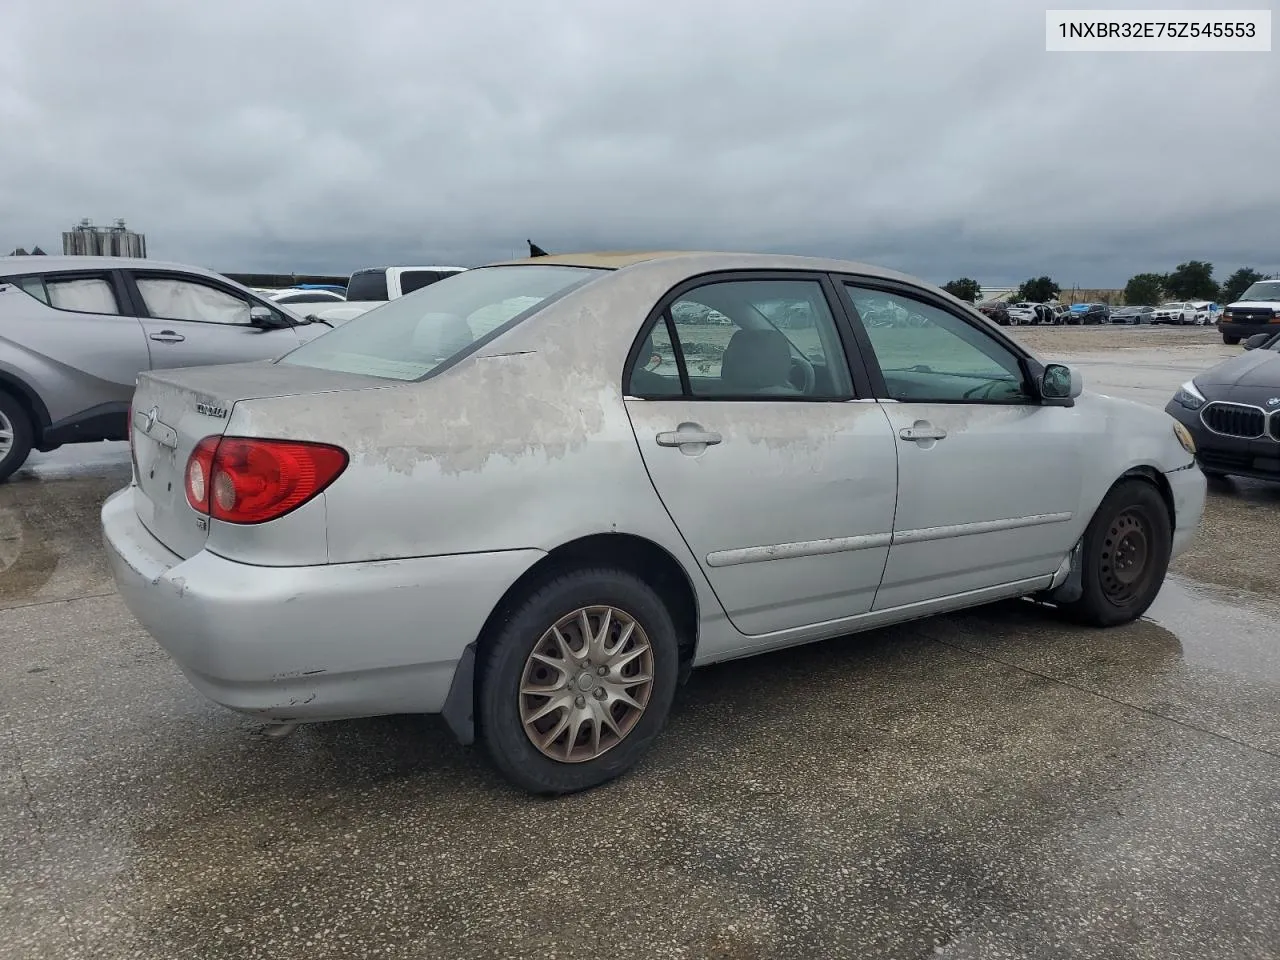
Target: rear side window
[(412, 280), (34, 286), (367, 285), (410, 337), (78, 293)]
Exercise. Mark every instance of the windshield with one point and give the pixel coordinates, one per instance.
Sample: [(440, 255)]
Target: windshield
[(411, 336), (1263, 290)]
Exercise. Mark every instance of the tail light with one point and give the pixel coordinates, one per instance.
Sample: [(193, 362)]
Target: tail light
[(247, 480)]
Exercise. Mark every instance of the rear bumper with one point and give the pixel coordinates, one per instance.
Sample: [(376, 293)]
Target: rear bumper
[(308, 643)]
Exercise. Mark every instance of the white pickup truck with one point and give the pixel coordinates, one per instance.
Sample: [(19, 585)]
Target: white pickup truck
[(374, 286)]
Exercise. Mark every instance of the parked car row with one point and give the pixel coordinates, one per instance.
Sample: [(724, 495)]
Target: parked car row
[(1177, 312), (1023, 312), (1186, 312)]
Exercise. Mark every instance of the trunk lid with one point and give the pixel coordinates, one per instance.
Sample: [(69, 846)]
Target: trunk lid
[(173, 410)]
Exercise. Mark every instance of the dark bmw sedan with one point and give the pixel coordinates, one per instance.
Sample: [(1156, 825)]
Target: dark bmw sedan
[(1233, 412)]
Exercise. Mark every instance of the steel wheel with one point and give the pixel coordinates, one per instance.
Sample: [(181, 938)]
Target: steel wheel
[(586, 684), (6, 435), (1126, 550)]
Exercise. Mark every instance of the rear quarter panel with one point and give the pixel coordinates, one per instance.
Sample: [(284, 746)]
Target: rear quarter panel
[(526, 445)]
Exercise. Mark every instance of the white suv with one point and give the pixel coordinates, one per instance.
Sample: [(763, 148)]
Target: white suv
[(1176, 311)]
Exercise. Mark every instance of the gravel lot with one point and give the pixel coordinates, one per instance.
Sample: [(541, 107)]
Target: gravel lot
[(1098, 338), (985, 785)]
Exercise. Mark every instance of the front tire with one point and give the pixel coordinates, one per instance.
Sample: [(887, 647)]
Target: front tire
[(15, 436), (1125, 556), (1229, 340), (578, 681)]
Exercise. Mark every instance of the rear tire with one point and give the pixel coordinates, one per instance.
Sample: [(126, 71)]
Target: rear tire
[(522, 655), (1125, 556), (15, 435), (1229, 340)]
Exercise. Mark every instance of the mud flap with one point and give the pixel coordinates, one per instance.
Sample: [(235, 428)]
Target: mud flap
[(459, 705), (1072, 588)]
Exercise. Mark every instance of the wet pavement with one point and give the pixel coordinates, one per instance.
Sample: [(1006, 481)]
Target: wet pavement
[(989, 784)]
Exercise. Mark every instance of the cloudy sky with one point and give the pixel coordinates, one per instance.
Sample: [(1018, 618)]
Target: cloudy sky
[(936, 137)]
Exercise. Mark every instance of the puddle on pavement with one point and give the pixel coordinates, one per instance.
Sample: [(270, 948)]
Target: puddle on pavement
[(26, 563), (77, 460), (1227, 630), (50, 545)]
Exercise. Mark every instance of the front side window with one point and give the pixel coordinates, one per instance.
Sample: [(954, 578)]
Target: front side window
[(927, 354), (746, 339), (409, 337), (175, 298)]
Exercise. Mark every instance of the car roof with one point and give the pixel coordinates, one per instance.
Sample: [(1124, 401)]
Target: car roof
[(16, 265), (709, 260), (409, 266)]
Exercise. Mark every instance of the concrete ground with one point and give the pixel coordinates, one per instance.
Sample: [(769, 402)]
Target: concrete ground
[(991, 784)]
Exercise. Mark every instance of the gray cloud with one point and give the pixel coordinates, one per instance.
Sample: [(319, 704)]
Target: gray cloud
[(935, 137)]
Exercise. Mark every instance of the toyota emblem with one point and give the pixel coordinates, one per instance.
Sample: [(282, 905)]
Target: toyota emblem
[(152, 416)]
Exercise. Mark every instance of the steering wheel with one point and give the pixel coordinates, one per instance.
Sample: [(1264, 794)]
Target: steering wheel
[(808, 376)]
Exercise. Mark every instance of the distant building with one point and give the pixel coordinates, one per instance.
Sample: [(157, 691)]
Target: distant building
[(20, 252), (87, 240)]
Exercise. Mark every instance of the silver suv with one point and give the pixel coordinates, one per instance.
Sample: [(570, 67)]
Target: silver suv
[(76, 331)]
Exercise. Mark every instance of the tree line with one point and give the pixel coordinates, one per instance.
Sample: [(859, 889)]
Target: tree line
[(1192, 280)]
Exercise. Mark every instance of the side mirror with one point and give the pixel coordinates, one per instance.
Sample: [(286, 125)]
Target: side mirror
[(1060, 382), (1257, 340), (264, 319)]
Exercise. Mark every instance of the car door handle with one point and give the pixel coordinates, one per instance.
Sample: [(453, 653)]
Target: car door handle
[(922, 433), (167, 336), (678, 438)]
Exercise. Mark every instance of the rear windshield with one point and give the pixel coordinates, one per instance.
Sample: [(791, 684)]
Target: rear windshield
[(412, 280), (409, 337), (367, 285)]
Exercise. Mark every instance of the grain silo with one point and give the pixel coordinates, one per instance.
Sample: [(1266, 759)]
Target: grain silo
[(87, 240)]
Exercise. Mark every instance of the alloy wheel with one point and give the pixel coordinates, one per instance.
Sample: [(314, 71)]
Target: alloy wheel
[(6, 435)]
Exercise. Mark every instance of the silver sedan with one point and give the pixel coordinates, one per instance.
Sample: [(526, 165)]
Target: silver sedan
[(533, 496)]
